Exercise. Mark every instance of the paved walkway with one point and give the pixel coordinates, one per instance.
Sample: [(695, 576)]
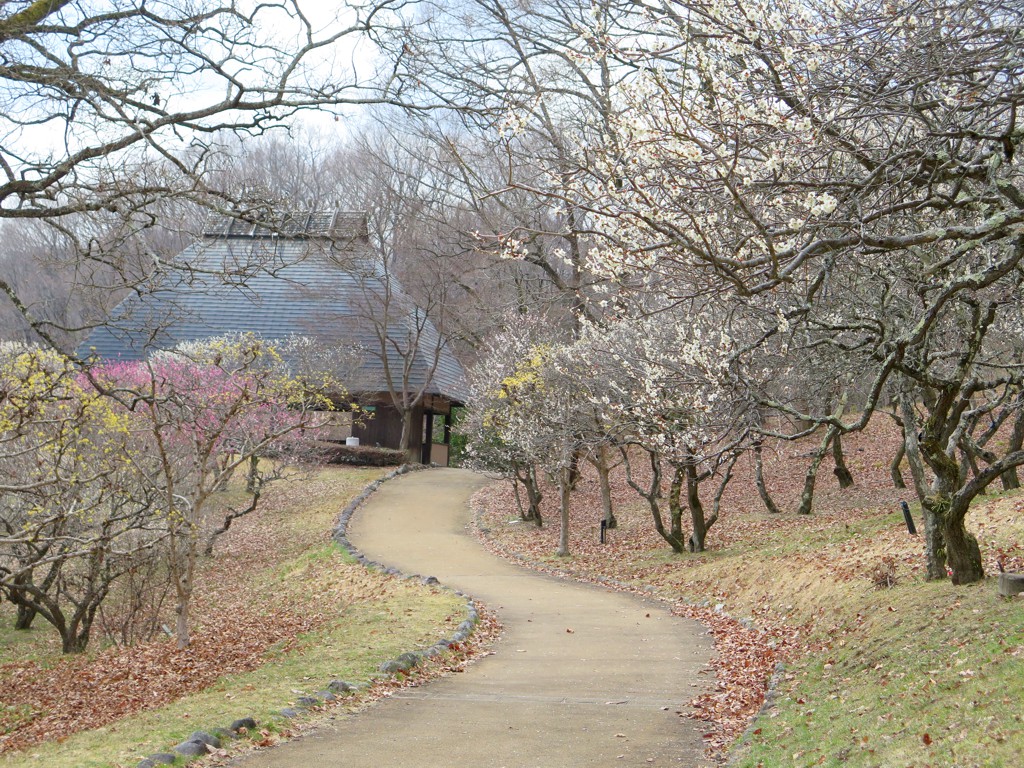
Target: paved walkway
[(581, 677)]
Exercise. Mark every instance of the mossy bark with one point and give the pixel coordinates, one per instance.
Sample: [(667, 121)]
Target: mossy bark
[(842, 472), (934, 510)]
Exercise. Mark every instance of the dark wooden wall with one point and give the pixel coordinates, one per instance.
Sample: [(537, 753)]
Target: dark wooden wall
[(385, 429)]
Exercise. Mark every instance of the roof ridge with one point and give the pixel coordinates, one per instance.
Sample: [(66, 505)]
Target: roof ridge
[(299, 224)]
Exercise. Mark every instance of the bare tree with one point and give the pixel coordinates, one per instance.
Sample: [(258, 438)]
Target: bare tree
[(72, 519), (852, 178), (96, 145), (535, 85)]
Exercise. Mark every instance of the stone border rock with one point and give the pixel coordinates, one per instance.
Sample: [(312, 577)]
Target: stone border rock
[(201, 743), (406, 661)]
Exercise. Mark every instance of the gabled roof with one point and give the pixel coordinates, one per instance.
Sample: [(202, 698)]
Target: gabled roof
[(310, 274)]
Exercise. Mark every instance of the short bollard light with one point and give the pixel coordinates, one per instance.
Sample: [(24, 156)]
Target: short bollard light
[(604, 530), (908, 518)]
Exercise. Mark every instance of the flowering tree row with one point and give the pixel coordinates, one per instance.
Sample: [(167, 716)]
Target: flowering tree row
[(819, 205), (853, 171), (654, 391), (117, 464)]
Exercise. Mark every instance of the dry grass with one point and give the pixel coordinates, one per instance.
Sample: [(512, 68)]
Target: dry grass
[(279, 609), (915, 674)]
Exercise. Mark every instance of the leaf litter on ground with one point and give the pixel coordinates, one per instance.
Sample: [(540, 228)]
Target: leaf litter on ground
[(734, 588), (240, 625)]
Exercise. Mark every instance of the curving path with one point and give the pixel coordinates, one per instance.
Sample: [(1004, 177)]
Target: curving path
[(582, 676)]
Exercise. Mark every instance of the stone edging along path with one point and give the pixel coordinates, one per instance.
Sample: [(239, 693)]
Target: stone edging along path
[(201, 742), (405, 661)]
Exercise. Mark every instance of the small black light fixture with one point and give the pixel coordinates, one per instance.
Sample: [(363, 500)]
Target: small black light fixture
[(908, 518)]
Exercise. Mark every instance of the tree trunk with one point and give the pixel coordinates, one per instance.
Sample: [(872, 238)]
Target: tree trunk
[(933, 509), (574, 471), (534, 496), (1010, 478), (26, 615), (894, 467), (966, 465), (604, 480), (26, 612), (962, 551), (841, 471), (519, 498), (75, 642), (651, 496), (700, 524), (565, 491), (76, 639), (935, 548), (807, 496), (252, 476), (674, 536), (412, 452), (659, 525), (936, 506), (181, 625), (912, 448), (762, 487), (32, 601), (183, 570)]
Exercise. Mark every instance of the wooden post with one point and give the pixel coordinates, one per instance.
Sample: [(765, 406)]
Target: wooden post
[(428, 438), (1011, 584)]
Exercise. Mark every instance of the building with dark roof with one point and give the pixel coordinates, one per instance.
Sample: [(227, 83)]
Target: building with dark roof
[(313, 275)]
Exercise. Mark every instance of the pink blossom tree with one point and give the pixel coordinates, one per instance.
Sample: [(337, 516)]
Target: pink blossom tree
[(198, 414)]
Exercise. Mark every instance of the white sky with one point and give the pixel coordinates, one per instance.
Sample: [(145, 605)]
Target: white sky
[(345, 61)]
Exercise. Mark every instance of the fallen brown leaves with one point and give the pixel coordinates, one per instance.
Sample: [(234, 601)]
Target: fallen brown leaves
[(743, 663), (823, 548), (235, 624), (84, 692)]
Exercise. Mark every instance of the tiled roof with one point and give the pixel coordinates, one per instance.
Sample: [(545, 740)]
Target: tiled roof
[(338, 226), (321, 280)]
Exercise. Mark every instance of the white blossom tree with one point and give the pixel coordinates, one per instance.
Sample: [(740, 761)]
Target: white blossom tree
[(852, 175), (669, 402), (529, 412)]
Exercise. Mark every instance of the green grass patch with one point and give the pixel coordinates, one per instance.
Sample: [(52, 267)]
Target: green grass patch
[(350, 649), (36, 645), (931, 677), (922, 674), (369, 617)]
